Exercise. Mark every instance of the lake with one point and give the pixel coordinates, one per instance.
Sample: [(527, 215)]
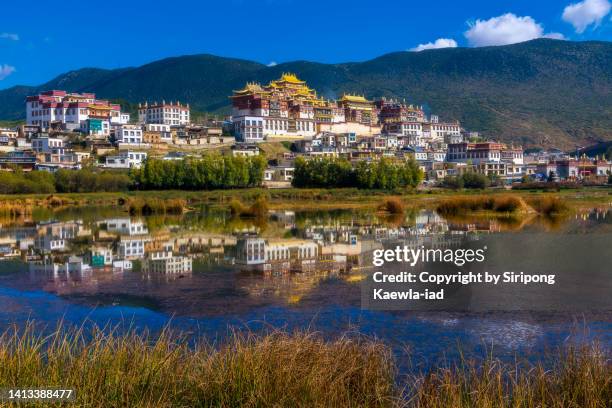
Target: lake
[(205, 273)]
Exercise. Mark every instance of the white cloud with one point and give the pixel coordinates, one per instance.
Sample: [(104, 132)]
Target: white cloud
[(554, 36), (439, 43), (505, 29), (587, 12), (272, 64), (6, 70), (9, 36)]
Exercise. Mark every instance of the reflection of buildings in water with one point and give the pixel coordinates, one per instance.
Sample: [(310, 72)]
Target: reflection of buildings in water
[(100, 255), (132, 247), (293, 267), (594, 214), (201, 243), (165, 262), (290, 287), (15, 239), (73, 264), (125, 226), (165, 266), (430, 241), (285, 218), (484, 225), (353, 253), (73, 273), (55, 236), (9, 251), (429, 222), (277, 255)]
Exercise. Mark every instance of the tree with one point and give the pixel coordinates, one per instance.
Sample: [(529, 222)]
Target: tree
[(454, 182), (475, 180), (332, 172)]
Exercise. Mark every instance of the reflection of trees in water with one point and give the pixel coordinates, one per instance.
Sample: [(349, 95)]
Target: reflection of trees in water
[(553, 222)]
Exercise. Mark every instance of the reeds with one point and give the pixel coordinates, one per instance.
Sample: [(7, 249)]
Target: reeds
[(15, 208), (149, 205), (392, 205), (578, 377), (54, 201), (259, 209), (106, 368), (495, 203), (548, 205), (133, 370)]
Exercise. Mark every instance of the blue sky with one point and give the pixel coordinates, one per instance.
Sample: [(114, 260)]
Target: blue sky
[(40, 39)]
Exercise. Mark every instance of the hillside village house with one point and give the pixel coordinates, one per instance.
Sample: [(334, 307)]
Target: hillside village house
[(71, 110), (59, 125), (129, 135), (125, 160), (173, 114)]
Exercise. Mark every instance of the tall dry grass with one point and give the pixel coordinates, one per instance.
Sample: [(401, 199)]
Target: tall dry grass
[(496, 203), (392, 205), (548, 205), (301, 369), (579, 377), (152, 205), (15, 208), (133, 370), (259, 208)]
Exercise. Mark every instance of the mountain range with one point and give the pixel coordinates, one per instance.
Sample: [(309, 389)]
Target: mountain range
[(538, 93)]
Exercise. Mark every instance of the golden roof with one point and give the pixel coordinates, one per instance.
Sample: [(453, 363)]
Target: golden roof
[(354, 98), (250, 87), (304, 91), (292, 78)]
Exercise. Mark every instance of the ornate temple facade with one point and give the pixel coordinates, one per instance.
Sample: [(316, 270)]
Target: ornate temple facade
[(287, 108), (399, 118)]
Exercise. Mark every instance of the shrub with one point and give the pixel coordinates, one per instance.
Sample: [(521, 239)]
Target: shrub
[(507, 204), (501, 204), (383, 174), (259, 209), (475, 180), (147, 206), (467, 180), (19, 182), (454, 182), (213, 171), (548, 205), (393, 205)]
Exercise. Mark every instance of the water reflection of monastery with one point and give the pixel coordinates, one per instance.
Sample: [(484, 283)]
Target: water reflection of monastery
[(288, 262)]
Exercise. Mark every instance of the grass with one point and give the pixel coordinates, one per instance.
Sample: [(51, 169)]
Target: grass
[(579, 377), (259, 209), (149, 205), (15, 209), (279, 369), (134, 370), (274, 149), (548, 205), (495, 203), (297, 199), (393, 205)]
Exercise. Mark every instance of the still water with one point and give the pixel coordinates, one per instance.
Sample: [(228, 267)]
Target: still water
[(206, 274)]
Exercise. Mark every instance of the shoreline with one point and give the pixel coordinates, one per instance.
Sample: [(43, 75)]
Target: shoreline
[(301, 199)]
